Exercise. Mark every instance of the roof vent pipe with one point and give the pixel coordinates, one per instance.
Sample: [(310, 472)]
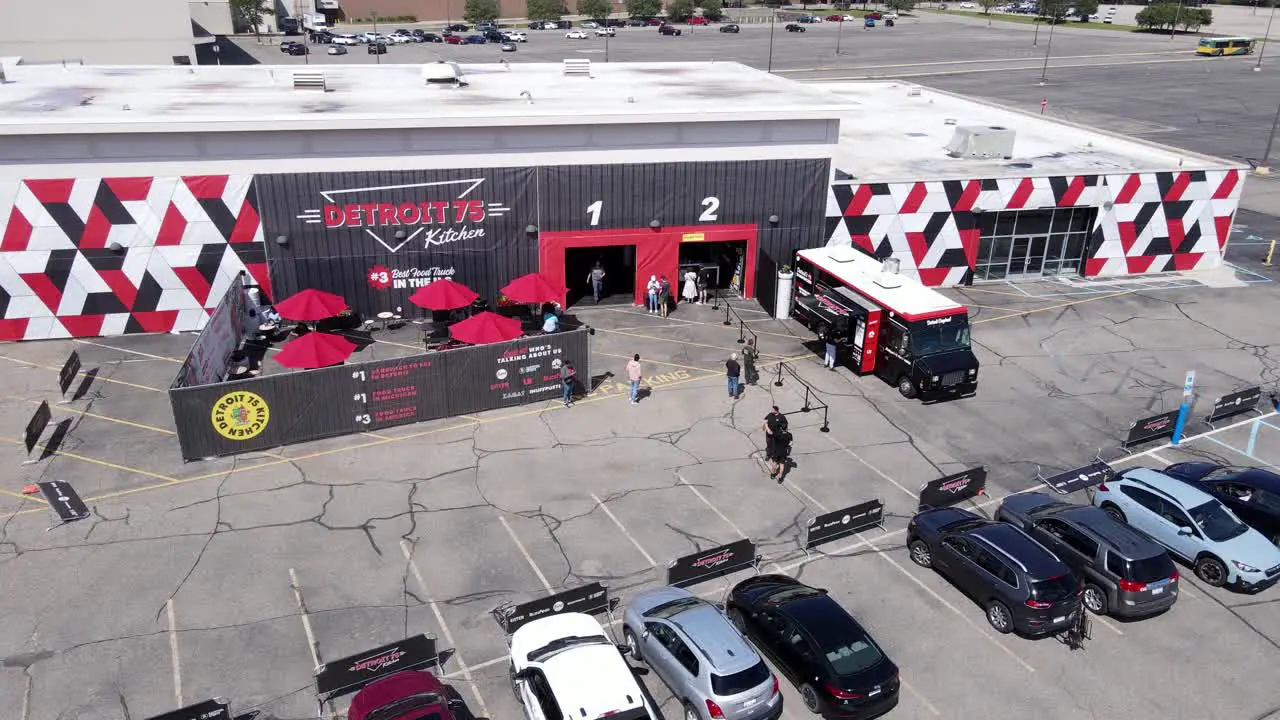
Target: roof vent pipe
[(527, 96), (889, 277)]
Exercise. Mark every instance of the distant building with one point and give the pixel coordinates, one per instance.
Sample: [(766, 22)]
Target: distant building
[(430, 9), (111, 32)]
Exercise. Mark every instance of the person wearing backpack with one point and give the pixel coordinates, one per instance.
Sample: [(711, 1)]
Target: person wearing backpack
[(664, 295), (777, 442)]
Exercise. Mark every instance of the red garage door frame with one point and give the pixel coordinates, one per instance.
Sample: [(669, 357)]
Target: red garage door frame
[(657, 251)]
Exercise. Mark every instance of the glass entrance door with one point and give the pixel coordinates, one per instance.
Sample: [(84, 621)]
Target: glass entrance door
[(1029, 244)]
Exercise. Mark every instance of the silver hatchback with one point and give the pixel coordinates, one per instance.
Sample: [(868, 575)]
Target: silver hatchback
[(708, 665)]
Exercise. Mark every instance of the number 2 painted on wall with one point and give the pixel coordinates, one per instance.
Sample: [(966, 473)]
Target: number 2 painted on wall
[(711, 211), (594, 211)]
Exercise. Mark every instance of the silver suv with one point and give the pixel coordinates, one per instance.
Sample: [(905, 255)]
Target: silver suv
[(708, 665)]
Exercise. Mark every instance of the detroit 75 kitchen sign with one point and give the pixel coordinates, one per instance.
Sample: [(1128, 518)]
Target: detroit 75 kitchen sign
[(375, 237)]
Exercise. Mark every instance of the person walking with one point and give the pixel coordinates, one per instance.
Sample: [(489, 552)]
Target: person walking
[(568, 376), (596, 278), (664, 295), (830, 361), (690, 292), (634, 374), (733, 371), (704, 282), (749, 355), (652, 290), (777, 442)]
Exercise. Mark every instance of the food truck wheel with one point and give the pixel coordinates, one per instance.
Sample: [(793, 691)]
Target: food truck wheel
[(906, 387)]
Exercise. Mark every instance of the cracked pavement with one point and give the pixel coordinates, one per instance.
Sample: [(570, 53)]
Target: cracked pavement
[(85, 604)]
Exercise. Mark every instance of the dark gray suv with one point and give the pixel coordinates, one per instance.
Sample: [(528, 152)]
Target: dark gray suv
[(1125, 573)]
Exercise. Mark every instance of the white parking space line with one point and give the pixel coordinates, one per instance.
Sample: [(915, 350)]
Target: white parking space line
[(1107, 624), (306, 618), (1162, 460), (1192, 438), (810, 498), (648, 558), (714, 509), (444, 628), (173, 653), (871, 467), (528, 558), (127, 350), (923, 700), (1242, 453), (26, 695)]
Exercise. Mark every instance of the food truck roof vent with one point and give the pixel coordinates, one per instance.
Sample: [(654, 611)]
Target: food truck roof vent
[(889, 277), (443, 73)]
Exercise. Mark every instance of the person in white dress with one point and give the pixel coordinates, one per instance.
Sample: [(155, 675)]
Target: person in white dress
[(690, 291)]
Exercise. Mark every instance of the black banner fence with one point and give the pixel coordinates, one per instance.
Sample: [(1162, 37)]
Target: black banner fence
[(67, 375), (1081, 478), (1232, 404), (210, 355), (590, 599), (349, 674), (273, 410), (842, 523), (954, 488), (215, 709), (716, 562), (64, 500), (36, 426), (1150, 428)]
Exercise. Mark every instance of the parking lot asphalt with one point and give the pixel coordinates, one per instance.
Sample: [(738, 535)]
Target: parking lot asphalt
[(181, 585)]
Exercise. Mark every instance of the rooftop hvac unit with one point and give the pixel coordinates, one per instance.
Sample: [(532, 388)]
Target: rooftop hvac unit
[(889, 277), (442, 73), (577, 66), (981, 142), (309, 80)]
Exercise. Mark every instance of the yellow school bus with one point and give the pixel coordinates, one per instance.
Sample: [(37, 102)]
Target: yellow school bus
[(1225, 46)]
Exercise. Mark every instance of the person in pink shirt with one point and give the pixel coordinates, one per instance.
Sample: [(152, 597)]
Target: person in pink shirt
[(634, 374)]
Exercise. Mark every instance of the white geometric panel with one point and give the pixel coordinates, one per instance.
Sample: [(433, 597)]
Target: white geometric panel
[(83, 191)]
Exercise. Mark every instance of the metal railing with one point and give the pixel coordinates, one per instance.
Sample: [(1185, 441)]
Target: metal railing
[(730, 315), (812, 401)]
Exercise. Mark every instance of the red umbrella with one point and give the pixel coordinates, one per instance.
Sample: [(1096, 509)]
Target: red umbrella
[(310, 305), (486, 327), (443, 295), (315, 350), (533, 288)]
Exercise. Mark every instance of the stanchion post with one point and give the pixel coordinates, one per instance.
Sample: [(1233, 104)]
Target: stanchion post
[(1188, 388), (742, 331), (727, 322), (826, 426), (778, 382), (806, 407)]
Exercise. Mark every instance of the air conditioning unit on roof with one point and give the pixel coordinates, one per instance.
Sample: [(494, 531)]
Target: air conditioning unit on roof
[(981, 142)]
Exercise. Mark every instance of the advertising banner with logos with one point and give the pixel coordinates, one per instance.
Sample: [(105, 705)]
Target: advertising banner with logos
[(291, 407), (210, 355), (375, 237)]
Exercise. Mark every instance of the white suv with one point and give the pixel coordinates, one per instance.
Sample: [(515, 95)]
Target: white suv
[(564, 666), (511, 36)]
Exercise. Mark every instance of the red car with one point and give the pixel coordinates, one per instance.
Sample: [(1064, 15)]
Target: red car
[(835, 18), (668, 30), (408, 695), (453, 39), (699, 20), (873, 15)]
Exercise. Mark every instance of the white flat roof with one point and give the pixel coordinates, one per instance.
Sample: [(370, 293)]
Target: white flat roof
[(890, 135), (51, 99), (909, 298)]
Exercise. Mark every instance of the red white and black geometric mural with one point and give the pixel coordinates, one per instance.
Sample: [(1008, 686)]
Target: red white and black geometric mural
[(1146, 222), (106, 256)]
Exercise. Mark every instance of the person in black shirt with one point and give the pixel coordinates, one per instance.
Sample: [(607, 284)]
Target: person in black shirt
[(733, 371), (777, 441)]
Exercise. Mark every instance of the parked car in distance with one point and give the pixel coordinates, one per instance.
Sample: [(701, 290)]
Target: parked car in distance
[(337, 50), (457, 27), (508, 47), (377, 48), (453, 39), (516, 37), (1124, 572), (807, 19), (474, 40), (493, 35), (637, 22), (345, 40), (591, 24), (399, 39), (835, 18), (614, 22), (576, 35), (656, 22), (792, 27), (371, 36), (566, 661), (298, 49), (699, 20), (700, 656), (432, 38), (1253, 494), (408, 694), (968, 5), (837, 666), (730, 28), (606, 32), (873, 15), (1020, 583), (1223, 551), (668, 30)]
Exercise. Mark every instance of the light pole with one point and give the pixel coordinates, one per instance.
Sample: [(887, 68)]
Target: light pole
[(377, 51), (1177, 15), (1266, 37), (1035, 39), (772, 19), (1266, 154), (839, 34), (1048, 48)]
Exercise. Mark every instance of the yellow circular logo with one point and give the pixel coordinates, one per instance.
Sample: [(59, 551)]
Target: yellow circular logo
[(240, 415)]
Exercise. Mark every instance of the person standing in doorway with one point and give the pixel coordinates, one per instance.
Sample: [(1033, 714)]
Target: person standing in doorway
[(830, 361), (664, 295), (733, 371), (651, 293), (634, 375), (690, 291), (568, 376), (704, 282), (749, 355), (596, 278), (777, 443)]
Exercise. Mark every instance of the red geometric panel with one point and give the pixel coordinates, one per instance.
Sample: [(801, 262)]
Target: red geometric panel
[(1180, 185), (861, 197), (172, 227), (156, 321), (972, 190), (1140, 263), (15, 329), (933, 277), (83, 325), (1223, 225), (1186, 261), (915, 199), (194, 281), (121, 285), (918, 243), (51, 191), (1093, 266), (206, 187), (1074, 190), (17, 233), (129, 189), (44, 289), (1131, 187), (247, 224), (970, 239), (1128, 236), (96, 230), (262, 276), (1228, 184), (1021, 195)]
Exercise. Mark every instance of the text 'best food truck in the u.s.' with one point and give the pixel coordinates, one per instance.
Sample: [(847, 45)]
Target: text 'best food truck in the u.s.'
[(912, 336)]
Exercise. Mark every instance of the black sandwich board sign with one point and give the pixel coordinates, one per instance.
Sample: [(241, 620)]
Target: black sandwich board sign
[(1151, 428), (350, 674), (1086, 476), (70, 369), (591, 599), (1231, 404), (36, 425), (713, 563), (840, 523), (949, 490), (64, 500), (207, 710)]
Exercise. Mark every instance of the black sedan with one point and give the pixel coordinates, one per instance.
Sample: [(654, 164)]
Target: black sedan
[(792, 27), (730, 28), (1253, 494), (839, 669)]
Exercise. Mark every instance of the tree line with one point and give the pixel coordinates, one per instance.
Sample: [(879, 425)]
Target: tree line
[(481, 11)]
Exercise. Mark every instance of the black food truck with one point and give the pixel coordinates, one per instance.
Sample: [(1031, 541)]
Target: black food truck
[(910, 335)]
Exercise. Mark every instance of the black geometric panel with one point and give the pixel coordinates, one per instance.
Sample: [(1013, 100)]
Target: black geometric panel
[(1092, 180), (954, 190), (884, 248), (148, 296), (990, 184), (1164, 181), (102, 304), (832, 223), (4, 302), (1191, 236), (844, 196), (880, 189), (953, 257), (222, 218), (965, 220), (1059, 185), (1144, 216), (103, 259), (1198, 176), (58, 268), (111, 207), (209, 260), (1176, 210), (67, 220), (860, 224), (937, 221), (1158, 246)]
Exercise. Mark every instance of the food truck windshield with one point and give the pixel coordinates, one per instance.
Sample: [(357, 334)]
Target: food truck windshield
[(939, 335)]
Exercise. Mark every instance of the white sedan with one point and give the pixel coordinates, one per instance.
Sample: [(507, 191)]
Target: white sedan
[(606, 32), (515, 37), (399, 39), (968, 5), (346, 40), (576, 35), (337, 50), (591, 24)]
